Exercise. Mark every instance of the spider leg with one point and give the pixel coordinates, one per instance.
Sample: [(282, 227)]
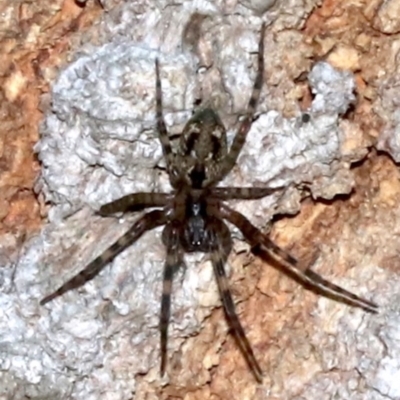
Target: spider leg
[(162, 130), (241, 193), (135, 202), (221, 247), (240, 137), (173, 262), (146, 222), (307, 277)]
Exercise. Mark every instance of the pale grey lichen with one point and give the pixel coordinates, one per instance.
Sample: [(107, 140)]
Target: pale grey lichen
[(388, 107), (98, 143)]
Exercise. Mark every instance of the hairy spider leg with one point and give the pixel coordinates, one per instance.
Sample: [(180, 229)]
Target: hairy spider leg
[(242, 193), (240, 137), (307, 277), (136, 202), (163, 132), (320, 283), (147, 222), (174, 260), (220, 249)]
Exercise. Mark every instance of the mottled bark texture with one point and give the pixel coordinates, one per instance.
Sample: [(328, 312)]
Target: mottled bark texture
[(77, 87)]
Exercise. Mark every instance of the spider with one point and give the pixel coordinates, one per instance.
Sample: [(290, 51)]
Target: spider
[(195, 211)]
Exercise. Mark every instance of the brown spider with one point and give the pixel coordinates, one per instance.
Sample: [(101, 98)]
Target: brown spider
[(194, 214)]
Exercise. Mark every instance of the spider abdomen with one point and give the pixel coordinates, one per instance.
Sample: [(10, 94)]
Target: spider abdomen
[(195, 235)]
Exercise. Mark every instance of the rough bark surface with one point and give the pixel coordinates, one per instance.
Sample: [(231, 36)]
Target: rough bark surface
[(77, 88)]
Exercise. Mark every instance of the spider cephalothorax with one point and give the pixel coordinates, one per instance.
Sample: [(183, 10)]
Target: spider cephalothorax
[(194, 214)]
